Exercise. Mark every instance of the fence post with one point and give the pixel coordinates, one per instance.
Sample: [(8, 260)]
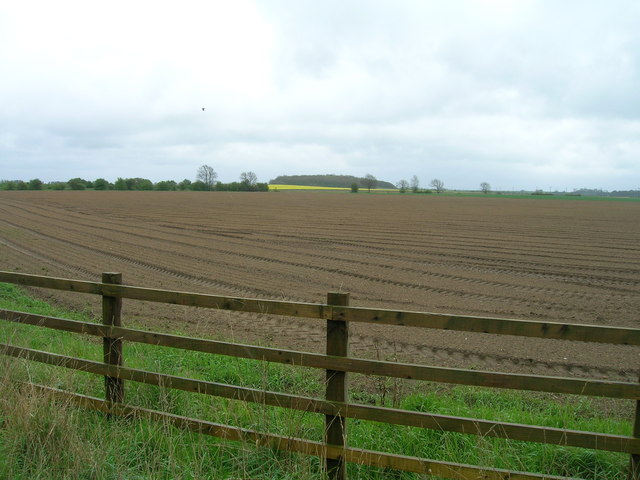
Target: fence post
[(111, 315), (634, 464), (337, 386)]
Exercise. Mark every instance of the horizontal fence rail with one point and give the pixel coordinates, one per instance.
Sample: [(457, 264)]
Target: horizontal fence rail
[(540, 383), (500, 326), (471, 426), (337, 364)]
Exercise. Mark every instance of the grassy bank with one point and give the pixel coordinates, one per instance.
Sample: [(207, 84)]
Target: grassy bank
[(40, 438)]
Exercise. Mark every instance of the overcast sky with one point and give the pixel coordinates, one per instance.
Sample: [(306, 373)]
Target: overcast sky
[(520, 94)]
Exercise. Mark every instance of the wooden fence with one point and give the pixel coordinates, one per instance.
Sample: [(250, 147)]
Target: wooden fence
[(337, 409)]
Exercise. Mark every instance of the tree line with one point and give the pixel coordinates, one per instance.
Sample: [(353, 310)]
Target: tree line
[(403, 186), (206, 180), (436, 185), (413, 185)]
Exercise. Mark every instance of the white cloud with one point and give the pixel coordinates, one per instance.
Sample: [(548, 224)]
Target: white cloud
[(527, 93)]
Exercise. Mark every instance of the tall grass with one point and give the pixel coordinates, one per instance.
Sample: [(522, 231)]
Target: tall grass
[(42, 438)]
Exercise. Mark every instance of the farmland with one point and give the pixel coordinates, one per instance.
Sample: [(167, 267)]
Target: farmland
[(566, 260)]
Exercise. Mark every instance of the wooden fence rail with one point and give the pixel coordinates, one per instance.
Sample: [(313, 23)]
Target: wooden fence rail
[(337, 363)]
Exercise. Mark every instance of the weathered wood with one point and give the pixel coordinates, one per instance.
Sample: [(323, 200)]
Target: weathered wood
[(79, 286), (502, 326), (634, 461), (450, 470), (470, 426), (588, 387), (112, 346), (337, 363), (337, 387), (274, 307)]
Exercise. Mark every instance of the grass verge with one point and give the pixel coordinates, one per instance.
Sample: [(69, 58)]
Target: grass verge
[(40, 438)]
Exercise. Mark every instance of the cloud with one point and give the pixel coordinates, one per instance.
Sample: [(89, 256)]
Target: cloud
[(521, 93)]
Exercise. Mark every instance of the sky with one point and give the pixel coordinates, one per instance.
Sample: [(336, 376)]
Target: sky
[(520, 94)]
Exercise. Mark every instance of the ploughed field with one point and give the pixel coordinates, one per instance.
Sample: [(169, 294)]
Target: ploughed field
[(558, 260)]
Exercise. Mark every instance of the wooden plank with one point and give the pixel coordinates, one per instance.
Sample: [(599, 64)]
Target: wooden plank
[(576, 386), (53, 322), (501, 326), (112, 346), (273, 307), (634, 461), (470, 426), (25, 279), (450, 470), (337, 387)]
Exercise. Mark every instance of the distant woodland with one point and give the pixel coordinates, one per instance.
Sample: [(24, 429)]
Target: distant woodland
[(341, 181)]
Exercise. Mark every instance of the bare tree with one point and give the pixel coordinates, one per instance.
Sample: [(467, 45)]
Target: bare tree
[(437, 185), (248, 178), (415, 184), (207, 175), (485, 187), (369, 181), (402, 185)]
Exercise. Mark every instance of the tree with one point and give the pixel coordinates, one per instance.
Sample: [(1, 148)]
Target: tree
[(166, 185), (485, 187), (438, 185), (77, 184), (35, 184), (199, 186), (403, 185), (369, 181), (57, 185), (249, 180), (185, 184), (415, 184), (100, 184), (207, 175), (143, 184), (354, 188), (121, 184)]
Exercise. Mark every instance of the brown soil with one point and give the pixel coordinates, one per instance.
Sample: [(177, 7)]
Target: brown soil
[(570, 261)]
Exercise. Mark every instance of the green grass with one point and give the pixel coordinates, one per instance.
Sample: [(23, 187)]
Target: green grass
[(540, 197), (42, 439)]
